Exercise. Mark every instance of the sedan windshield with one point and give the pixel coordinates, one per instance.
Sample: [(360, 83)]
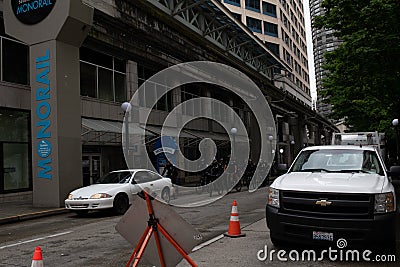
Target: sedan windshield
[(337, 160), (114, 178)]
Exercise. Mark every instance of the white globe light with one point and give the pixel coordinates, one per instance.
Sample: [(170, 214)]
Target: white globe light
[(233, 130), (281, 150), (395, 122), (126, 106), (270, 137)]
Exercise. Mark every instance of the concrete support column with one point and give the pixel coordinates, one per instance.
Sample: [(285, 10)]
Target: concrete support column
[(132, 79), (54, 31), (56, 122)]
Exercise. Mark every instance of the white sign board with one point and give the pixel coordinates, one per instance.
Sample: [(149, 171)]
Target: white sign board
[(133, 224)]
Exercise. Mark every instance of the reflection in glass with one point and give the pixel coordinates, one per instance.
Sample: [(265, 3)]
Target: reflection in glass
[(16, 166)]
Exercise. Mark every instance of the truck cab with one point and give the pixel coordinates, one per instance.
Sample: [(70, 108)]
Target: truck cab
[(334, 192)]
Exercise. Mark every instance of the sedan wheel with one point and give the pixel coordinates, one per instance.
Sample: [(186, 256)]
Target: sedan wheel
[(121, 204), (166, 195)]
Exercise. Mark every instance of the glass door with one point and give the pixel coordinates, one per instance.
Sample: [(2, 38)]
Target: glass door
[(91, 168)]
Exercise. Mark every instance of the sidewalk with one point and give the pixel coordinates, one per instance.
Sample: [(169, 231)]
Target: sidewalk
[(251, 251), (23, 210)]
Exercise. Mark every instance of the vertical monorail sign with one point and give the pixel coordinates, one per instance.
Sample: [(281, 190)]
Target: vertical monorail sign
[(42, 113)]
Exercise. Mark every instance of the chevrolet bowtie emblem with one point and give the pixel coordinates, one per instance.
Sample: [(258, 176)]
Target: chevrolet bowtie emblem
[(323, 202)]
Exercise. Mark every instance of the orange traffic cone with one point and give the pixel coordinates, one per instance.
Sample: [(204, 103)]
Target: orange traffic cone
[(37, 260), (234, 224)]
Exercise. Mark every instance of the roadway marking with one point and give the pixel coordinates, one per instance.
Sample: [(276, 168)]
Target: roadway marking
[(202, 245), (36, 239)]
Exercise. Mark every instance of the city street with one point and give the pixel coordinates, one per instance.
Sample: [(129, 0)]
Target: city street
[(68, 240)]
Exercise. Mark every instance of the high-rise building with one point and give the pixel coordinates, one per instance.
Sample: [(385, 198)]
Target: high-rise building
[(280, 24), (323, 41)]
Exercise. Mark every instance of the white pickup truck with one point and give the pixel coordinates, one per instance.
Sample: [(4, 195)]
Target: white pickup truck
[(333, 192)]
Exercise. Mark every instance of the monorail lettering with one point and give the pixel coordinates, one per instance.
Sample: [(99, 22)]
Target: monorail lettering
[(43, 111), (32, 11)]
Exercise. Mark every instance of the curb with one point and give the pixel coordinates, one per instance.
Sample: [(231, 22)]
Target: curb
[(33, 215)]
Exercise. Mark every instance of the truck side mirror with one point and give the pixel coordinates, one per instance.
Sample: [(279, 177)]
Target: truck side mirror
[(394, 173), (282, 168)]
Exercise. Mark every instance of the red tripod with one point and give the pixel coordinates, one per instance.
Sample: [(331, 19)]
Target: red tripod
[(153, 227)]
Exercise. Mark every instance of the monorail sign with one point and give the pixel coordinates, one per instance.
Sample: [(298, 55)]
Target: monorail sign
[(32, 11)]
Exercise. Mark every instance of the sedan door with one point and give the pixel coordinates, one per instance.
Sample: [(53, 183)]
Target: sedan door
[(158, 182), (143, 180)]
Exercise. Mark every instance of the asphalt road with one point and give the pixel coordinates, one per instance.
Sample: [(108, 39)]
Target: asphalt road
[(69, 240)]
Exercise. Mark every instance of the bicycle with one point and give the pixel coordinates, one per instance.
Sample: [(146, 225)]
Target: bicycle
[(216, 185), (234, 182), (203, 185)]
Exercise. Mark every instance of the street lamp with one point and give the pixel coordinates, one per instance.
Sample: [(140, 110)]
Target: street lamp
[(280, 153), (126, 107), (292, 149), (395, 124), (234, 132), (271, 138)]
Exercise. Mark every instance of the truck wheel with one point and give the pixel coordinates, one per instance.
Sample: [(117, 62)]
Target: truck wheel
[(277, 242)]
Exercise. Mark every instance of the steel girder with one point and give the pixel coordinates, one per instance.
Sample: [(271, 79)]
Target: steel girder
[(214, 22)]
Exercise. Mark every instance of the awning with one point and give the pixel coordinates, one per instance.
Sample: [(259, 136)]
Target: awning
[(102, 125), (156, 130), (211, 135), (97, 131), (106, 132)]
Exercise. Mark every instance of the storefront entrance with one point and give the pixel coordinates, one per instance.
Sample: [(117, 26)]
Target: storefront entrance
[(91, 168)]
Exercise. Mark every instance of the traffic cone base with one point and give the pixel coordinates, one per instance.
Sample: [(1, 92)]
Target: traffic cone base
[(234, 224), (239, 235)]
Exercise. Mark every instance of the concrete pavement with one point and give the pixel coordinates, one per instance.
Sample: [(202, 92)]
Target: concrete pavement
[(11, 212), (244, 251)]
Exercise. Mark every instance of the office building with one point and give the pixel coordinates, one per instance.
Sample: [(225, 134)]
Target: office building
[(280, 24)]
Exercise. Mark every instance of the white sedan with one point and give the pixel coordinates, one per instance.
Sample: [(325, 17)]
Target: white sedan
[(117, 189)]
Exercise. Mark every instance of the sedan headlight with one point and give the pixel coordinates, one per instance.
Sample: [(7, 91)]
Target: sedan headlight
[(384, 203), (70, 197), (100, 195), (273, 197)]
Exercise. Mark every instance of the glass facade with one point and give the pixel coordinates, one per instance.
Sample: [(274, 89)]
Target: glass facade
[(14, 61), (270, 29), (253, 24), (102, 76), (15, 158), (269, 9), (253, 5), (233, 2)]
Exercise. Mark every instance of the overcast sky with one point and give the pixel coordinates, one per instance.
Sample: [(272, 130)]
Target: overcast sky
[(310, 49)]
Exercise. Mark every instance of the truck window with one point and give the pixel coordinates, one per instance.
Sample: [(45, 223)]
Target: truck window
[(338, 160)]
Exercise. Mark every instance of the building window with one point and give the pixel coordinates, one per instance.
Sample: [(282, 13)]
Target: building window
[(233, 2), (15, 159), (237, 16), (253, 24), (269, 9), (102, 76), (253, 5), (274, 48), (151, 91), (270, 29), (15, 61)]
